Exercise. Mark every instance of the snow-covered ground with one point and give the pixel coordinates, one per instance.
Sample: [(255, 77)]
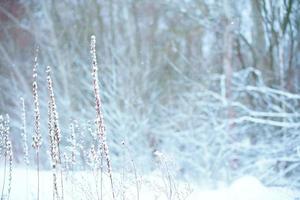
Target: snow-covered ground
[(246, 188), (83, 185)]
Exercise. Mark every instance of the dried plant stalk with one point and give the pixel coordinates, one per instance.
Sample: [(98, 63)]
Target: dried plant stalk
[(55, 137), (99, 116), (37, 133), (24, 141), (24, 133)]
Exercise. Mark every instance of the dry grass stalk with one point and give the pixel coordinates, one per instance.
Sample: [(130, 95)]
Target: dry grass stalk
[(24, 141), (8, 154), (55, 136), (99, 115), (10, 159), (37, 136), (94, 161), (70, 157), (73, 146), (3, 150), (137, 181), (2, 141), (24, 133)]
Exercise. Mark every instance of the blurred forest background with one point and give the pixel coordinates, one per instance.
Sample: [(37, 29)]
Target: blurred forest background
[(213, 86)]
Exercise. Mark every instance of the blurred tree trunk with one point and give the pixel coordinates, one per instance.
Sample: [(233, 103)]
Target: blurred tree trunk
[(258, 35)]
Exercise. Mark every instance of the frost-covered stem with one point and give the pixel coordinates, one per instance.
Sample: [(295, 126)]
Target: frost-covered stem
[(38, 172), (96, 180), (61, 180), (95, 161), (137, 184), (54, 132), (37, 136), (24, 133), (101, 175), (98, 107), (73, 146), (73, 129), (4, 176), (8, 155), (169, 180), (165, 169), (24, 138), (10, 158), (55, 192), (4, 143), (52, 146), (53, 153)]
